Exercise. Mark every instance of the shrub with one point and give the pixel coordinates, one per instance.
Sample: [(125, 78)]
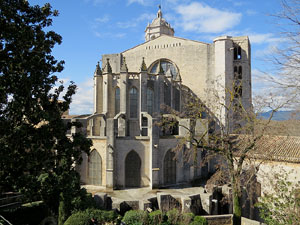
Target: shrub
[(78, 218), (173, 216), (84, 217), (83, 201), (186, 218), (199, 220), (135, 217), (155, 217)]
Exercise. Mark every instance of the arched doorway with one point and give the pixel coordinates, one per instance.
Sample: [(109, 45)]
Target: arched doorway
[(170, 168), (95, 168), (132, 170)]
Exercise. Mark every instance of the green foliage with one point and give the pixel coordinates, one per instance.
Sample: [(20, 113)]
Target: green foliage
[(33, 142), (282, 206), (84, 217), (135, 217), (62, 210), (155, 217), (186, 218), (31, 213), (199, 220), (79, 218), (173, 216), (83, 201)]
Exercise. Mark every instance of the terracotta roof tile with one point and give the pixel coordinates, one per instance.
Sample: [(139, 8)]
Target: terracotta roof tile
[(268, 147)]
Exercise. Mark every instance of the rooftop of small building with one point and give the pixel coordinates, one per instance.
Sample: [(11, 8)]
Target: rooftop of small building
[(270, 147)]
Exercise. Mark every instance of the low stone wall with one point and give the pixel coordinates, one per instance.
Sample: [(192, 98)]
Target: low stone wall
[(219, 219), (246, 221), (227, 220)]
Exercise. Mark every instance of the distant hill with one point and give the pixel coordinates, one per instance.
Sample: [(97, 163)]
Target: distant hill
[(281, 115)]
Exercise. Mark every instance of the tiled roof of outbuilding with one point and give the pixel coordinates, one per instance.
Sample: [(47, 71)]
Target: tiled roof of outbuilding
[(274, 148)]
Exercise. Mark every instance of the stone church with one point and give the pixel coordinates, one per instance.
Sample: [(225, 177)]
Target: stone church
[(129, 148)]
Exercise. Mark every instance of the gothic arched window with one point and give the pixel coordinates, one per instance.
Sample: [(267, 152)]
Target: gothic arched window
[(240, 73), (150, 100), (237, 54), (165, 65), (117, 100), (95, 170), (133, 102)]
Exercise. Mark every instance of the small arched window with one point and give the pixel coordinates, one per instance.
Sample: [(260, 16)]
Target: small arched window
[(237, 54), (238, 90), (150, 100), (117, 100), (133, 102), (240, 73)]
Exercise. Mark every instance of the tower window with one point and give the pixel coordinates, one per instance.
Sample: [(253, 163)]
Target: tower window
[(237, 54), (238, 91), (235, 72), (133, 102), (238, 72)]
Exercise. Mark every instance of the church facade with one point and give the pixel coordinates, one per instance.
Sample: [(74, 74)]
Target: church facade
[(129, 148)]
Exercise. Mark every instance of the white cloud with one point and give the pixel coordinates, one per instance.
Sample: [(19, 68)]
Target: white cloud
[(109, 34), (98, 21), (83, 99), (266, 51), (263, 38), (251, 12), (199, 17), (141, 2), (103, 19), (95, 2), (136, 21)]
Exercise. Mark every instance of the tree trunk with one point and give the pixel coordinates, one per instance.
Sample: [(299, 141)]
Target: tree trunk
[(236, 198)]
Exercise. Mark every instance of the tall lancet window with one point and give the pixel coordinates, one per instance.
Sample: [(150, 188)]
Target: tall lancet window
[(117, 100), (150, 100), (133, 102)]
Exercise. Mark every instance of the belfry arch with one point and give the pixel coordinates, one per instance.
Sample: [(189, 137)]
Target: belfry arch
[(133, 169)]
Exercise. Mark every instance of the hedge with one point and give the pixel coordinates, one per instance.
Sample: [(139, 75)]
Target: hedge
[(84, 217)]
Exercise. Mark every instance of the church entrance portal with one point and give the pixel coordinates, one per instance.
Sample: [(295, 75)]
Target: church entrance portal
[(132, 170), (170, 168)]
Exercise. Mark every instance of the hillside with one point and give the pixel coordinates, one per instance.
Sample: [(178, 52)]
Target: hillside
[(284, 127), (281, 115)]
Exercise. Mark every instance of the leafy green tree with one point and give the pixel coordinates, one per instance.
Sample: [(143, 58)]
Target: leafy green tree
[(281, 206), (36, 156)]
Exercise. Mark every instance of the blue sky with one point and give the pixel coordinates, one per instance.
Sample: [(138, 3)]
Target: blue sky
[(91, 28)]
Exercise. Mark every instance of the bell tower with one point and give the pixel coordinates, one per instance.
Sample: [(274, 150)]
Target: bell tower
[(158, 27)]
